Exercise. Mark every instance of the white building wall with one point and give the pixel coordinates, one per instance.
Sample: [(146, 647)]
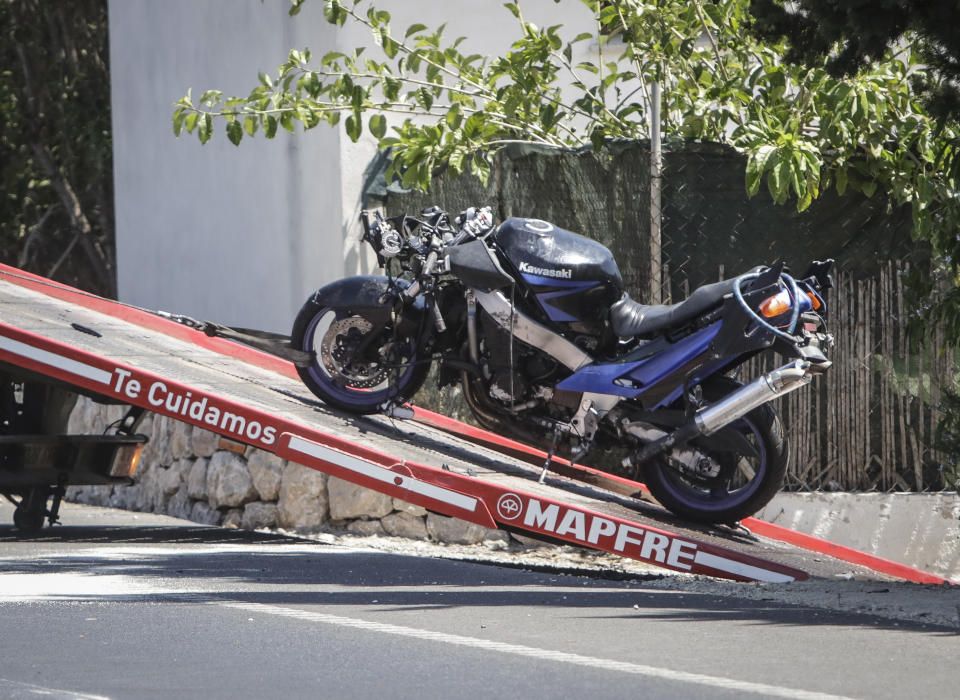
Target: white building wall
[(242, 235)]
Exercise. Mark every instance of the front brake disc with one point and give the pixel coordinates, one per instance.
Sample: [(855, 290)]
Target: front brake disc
[(337, 350)]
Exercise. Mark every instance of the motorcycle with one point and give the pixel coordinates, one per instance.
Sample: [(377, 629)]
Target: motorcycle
[(533, 322)]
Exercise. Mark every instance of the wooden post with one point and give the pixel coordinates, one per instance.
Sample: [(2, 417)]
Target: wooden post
[(656, 174)]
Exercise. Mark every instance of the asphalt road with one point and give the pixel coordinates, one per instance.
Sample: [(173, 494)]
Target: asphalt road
[(125, 605)]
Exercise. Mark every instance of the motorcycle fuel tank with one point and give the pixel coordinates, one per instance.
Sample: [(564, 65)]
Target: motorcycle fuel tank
[(575, 279)]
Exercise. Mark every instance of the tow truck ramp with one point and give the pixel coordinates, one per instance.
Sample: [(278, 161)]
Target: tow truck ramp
[(144, 360)]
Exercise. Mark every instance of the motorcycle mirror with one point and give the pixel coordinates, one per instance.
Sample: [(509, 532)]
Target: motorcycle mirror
[(820, 271)]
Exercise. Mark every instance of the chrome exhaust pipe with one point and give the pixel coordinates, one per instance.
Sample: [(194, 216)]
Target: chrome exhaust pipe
[(709, 420), (758, 392)]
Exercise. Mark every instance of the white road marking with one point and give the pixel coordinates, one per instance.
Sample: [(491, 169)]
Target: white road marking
[(63, 586), (667, 674), (53, 360), (13, 689), (382, 474)]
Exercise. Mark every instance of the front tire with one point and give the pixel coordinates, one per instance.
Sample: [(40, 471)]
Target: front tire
[(389, 371), (746, 483)]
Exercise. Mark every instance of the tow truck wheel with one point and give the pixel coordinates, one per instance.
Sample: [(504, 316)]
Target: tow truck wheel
[(32, 511)]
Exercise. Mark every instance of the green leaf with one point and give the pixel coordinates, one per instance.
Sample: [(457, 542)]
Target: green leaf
[(409, 179), (210, 97), (514, 8), (270, 127), (354, 127), (390, 47), (453, 117), (250, 124), (455, 161), (795, 181), (206, 128), (234, 132), (597, 138), (334, 12), (331, 57), (548, 116), (754, 177), (286, 120), (378, 126), (775, 181), (178, 117), (841, 179), (869, 187), (425, 98), (413, 29), (480, 167), (190, 121), (377, 31), (763, 155), (473, 125)]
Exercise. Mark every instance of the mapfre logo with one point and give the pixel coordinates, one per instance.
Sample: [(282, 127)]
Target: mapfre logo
[(509, 506)]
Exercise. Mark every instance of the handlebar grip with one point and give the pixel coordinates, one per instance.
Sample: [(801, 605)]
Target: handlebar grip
[(365, 220)]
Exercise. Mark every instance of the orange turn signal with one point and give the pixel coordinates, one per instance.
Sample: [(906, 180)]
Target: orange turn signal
[(815, 301), (777, 305)]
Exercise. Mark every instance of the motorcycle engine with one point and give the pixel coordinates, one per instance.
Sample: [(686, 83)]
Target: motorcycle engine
[(527, 377)]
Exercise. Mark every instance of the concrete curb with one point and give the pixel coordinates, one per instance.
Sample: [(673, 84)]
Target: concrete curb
[(917, 529)]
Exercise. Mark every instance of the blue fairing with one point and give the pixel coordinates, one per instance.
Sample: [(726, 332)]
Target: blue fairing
[(707, 370), (561, 288), (631, 379)]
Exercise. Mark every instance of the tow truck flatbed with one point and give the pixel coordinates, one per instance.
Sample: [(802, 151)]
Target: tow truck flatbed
[(131, 355)]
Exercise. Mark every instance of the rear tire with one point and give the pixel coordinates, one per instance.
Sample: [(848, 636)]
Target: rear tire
[(324, 331), (703, 500)]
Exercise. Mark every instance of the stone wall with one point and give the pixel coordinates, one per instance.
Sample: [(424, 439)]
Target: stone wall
[(196, 475)]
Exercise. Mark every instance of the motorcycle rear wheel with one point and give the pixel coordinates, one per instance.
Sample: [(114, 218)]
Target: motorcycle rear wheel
[(360, 385), (746, 482)]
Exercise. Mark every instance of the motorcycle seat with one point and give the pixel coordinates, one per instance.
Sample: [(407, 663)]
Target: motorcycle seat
[(630, 318)]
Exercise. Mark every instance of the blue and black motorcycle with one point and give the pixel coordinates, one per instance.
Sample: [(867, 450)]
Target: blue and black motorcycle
[(533, 322)]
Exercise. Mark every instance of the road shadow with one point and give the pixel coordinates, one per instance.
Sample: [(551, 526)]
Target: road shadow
[(100, 534), (331, 576)]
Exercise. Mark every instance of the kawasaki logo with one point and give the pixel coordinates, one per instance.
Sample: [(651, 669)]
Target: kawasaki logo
[(564, 273)]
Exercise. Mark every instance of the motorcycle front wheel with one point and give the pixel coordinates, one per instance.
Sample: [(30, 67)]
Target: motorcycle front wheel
[(734, 477), (341, 374)]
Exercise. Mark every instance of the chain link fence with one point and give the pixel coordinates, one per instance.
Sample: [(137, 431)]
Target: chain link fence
[(870, 422)]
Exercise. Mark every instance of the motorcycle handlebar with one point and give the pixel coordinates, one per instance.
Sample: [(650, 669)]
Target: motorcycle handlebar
[(431, 261), (461, 237)]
